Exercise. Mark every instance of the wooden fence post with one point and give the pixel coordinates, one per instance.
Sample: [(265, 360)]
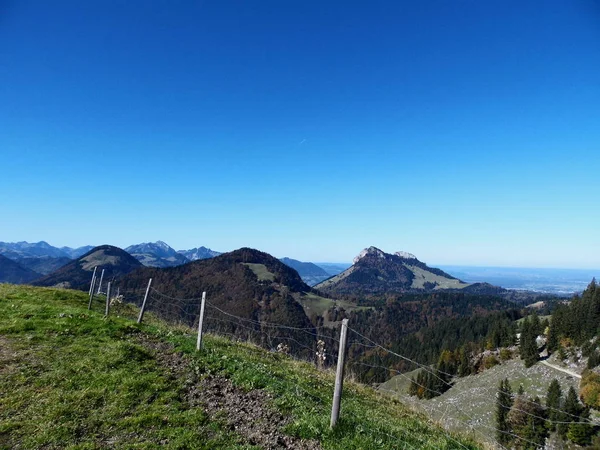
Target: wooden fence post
[(200, 320), (92, 293), (93, 278), (141, 316), (107, 299), (101, 278), (339, 376)]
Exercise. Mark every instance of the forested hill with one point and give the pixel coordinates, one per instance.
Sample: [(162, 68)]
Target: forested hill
[(246, 283), (78, 273), (251, 269), (420, 326), (577, 322)]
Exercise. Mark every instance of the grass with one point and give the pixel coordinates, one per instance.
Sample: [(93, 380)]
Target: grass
[(261, 271), (423, 276), (71, 378), (313, 303)]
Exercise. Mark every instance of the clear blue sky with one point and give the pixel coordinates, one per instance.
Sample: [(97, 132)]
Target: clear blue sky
[(465, 132)]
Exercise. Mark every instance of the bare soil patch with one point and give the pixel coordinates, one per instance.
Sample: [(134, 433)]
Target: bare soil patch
[(247, 413), (7, 356)]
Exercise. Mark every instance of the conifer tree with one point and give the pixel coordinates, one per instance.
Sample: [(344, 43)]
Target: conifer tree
[(553, 403), (527, 345), (413, 389), (552, 343), (572, 405), (536, 325), (526, 419), (504, 402), (581, 432), (464, 367), (572, 409)]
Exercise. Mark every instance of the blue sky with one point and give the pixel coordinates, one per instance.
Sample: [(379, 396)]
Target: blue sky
[(465, 132)]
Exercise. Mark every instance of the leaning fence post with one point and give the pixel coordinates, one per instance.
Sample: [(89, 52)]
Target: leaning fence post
[(200, 320), (107, 299), (101, 278), (339, 376), (141, 316), (92, 293), (92, 282)]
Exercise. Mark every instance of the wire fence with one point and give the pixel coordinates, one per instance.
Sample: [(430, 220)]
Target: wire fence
[(318, 345)]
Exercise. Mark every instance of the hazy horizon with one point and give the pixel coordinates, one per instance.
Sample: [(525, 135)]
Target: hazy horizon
[(444, 266)]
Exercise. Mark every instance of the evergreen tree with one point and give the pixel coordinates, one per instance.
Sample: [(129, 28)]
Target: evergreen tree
[(504, 402), (594, 359), (536, 325), (527, 345), (464, 366), (526, 419), (421, 384), (572, 405), (413, 389), (581, 432), (572, 409), (553, 403), (552, 342)]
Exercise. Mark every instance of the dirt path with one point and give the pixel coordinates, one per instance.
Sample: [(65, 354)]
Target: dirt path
[(567, 371), (247, 413)]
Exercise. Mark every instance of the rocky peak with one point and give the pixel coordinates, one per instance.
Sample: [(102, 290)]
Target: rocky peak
[(371, 251), (405, 255)]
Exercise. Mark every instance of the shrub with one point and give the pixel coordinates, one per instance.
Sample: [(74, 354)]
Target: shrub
[(590, 389), (505, 354), (490, 361)]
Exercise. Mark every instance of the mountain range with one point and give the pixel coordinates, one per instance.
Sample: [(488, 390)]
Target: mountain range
[(40, 249), (373, 273), (44, 258), (156, 254)]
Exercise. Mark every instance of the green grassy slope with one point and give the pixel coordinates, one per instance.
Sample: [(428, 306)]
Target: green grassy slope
[(71, 378), (315, 304)]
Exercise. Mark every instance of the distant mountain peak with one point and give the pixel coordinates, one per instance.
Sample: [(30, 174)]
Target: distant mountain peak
[(377, 253), (378, 273), (201, 252), (371, 251), (156, 254)]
